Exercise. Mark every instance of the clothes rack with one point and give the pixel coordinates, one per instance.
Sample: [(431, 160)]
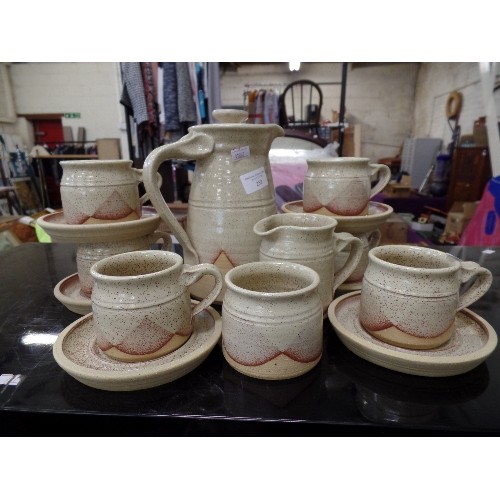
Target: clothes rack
[(281, 85)]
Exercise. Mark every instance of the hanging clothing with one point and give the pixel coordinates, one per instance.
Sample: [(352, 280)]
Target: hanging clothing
[(133, 95), (213, 88), (276, 107), (252, 96), (159, 96), (194, 90), (185, 101), (259, 107), (170, 97), (149, 90), (268, 111)]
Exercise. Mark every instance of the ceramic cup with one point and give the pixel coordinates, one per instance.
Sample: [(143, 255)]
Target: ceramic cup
[(272, 320), (310, 240), (410, 295), (141, 303), (100, 191), (87, 254), (342, 186)]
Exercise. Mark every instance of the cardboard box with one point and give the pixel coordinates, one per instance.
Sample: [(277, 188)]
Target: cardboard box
[(394, 230), (401, 189), (458, 217)]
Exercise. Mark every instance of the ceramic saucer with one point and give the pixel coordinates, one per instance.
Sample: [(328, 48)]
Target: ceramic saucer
[(56, 227), (378, 213), (473, 341), (76, 352), (69, 293)]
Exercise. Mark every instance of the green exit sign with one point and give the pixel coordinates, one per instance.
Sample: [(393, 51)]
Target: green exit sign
[(72, 115)]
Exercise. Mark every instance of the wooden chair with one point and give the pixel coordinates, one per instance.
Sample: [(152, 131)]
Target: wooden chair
[(300, 106)]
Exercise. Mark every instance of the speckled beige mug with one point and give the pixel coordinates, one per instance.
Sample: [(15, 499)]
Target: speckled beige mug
[(272, 320), (342, 186), (141, 303), (87, 254), (410, 295), (100, 191)]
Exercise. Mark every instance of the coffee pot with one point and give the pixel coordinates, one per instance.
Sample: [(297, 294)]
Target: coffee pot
[(232, 188)]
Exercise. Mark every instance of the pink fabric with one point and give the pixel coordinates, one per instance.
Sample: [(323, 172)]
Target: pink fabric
[(484, 227), (288, 174)]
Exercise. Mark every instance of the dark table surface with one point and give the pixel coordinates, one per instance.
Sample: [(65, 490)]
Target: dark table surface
[(342, 395)]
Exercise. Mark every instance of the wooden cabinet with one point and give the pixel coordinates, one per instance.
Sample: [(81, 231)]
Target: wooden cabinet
[(470, 171)]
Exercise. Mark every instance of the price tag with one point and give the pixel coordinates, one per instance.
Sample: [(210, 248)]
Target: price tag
[(254, 181), (239, 153)]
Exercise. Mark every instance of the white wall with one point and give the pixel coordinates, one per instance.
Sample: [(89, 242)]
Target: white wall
[(435, 82), (91, 89)]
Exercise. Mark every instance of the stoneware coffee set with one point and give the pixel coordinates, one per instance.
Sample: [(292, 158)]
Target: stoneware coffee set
[(149, 315)]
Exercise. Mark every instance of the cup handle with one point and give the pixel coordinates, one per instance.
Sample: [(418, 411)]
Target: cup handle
[(341, 241), (374, 238), (167, 240), (481, 284), (191, 274), (193, 146), (384, 177)]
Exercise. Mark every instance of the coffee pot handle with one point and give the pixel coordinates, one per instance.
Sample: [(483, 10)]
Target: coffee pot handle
[(481, 284), (341, 241), (138, 174), (384, 173), (193, 146)]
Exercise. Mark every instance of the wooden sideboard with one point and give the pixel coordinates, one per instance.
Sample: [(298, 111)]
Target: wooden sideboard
[(470, 171)]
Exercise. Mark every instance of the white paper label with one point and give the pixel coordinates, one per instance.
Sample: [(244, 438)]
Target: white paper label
[(254, 181), (239, 153)]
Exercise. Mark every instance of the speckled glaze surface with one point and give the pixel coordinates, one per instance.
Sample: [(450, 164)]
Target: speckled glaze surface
[(87, 254), (377, 214), (310, 240), (76, 352), (56, 226), (342, 185), (472, 341), (141, 304), (100, 191), (368, 240), (272, 320), (232, 188), (69, 293), (410, 295)]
